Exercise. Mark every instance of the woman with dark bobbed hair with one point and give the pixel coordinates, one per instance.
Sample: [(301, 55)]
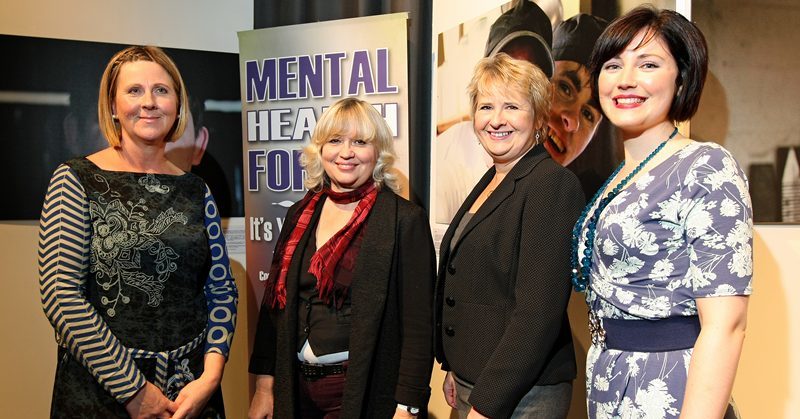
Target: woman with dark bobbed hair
[(664, 250)]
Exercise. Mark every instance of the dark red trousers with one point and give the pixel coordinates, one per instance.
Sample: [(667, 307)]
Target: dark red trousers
[(321, 398)]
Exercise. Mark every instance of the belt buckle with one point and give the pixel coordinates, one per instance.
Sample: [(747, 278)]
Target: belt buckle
[(309, 371), (596, 330), (313, 372)]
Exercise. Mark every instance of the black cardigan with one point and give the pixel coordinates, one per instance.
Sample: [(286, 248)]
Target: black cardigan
[(502, 293), (391, 336)]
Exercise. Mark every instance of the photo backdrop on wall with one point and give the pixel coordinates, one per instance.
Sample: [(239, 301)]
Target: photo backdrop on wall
[(555, 37), (726, 115), (48, 114)]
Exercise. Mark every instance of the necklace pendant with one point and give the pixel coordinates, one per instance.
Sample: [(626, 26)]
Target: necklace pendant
[(596, 330)]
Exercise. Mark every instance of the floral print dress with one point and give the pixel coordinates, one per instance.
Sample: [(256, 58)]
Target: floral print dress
[(682, 231)]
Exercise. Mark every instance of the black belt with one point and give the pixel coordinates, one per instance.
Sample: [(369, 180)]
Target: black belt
[(316, 371), (663, 335)]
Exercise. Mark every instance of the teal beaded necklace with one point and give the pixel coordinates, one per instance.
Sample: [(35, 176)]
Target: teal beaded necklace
[(582, 266)]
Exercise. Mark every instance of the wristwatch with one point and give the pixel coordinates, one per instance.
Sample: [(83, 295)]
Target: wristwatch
[(414, 411)]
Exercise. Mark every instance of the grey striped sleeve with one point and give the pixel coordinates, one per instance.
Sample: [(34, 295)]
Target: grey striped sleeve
[(64, 243)]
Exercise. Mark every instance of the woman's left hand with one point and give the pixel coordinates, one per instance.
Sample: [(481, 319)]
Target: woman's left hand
[(193, 398), (473, 414)]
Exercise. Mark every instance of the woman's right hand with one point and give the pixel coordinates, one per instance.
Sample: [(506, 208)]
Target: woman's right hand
[(449, 388), (149, 402), (262, 404)]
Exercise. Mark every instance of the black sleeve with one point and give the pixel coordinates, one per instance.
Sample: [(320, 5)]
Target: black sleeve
[(416, 261), (262, 360)]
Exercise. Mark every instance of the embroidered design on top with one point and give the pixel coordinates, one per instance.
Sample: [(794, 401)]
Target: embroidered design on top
[(120, 234), (152, 184)]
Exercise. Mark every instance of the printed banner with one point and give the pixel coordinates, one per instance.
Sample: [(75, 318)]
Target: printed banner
[(289, 76)]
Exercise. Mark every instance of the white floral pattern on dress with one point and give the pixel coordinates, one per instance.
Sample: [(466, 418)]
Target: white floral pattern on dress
[(121, 233), (682, 231)]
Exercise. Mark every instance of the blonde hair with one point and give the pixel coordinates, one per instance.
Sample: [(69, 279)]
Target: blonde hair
[(108, 89), (343, 117), (499, 74)]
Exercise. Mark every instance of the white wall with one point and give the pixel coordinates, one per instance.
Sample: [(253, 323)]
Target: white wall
[(750, 106), (207, 25), (750, 100), (768, 381)]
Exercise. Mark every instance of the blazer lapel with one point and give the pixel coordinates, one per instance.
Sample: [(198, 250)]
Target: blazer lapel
[(444, 247), (367, 295), (503, 191), (292, 287), (286, 355)]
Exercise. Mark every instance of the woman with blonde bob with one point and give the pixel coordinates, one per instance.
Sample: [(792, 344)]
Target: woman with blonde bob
[(133, 269), (501, 328), (109, 121), (345, 323)]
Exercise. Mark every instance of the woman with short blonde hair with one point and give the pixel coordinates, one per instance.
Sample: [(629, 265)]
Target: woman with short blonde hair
[(360, 117), (501, 73), (108, 118), (502, 331), (346, 319)]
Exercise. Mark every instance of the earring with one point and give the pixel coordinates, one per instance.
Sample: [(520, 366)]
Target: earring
[(114, 117)]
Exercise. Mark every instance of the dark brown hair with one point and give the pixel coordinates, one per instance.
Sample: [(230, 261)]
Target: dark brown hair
[(683, 39)]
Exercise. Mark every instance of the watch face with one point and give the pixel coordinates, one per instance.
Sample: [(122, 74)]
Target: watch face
[(413, 410)]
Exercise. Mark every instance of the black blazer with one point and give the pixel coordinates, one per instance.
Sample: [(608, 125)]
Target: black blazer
[(391, 336), (502, 293)]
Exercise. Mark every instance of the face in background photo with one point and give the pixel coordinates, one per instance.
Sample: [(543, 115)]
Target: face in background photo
[(188, 150), (524, 32), (575, 114)]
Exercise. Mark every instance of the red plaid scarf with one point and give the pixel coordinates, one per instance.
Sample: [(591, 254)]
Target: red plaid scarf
[(334, 262)]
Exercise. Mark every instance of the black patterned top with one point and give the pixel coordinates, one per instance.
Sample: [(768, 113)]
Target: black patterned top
[(134, 265)]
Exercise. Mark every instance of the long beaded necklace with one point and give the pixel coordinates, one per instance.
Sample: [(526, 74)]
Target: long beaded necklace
[(582, 267)]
